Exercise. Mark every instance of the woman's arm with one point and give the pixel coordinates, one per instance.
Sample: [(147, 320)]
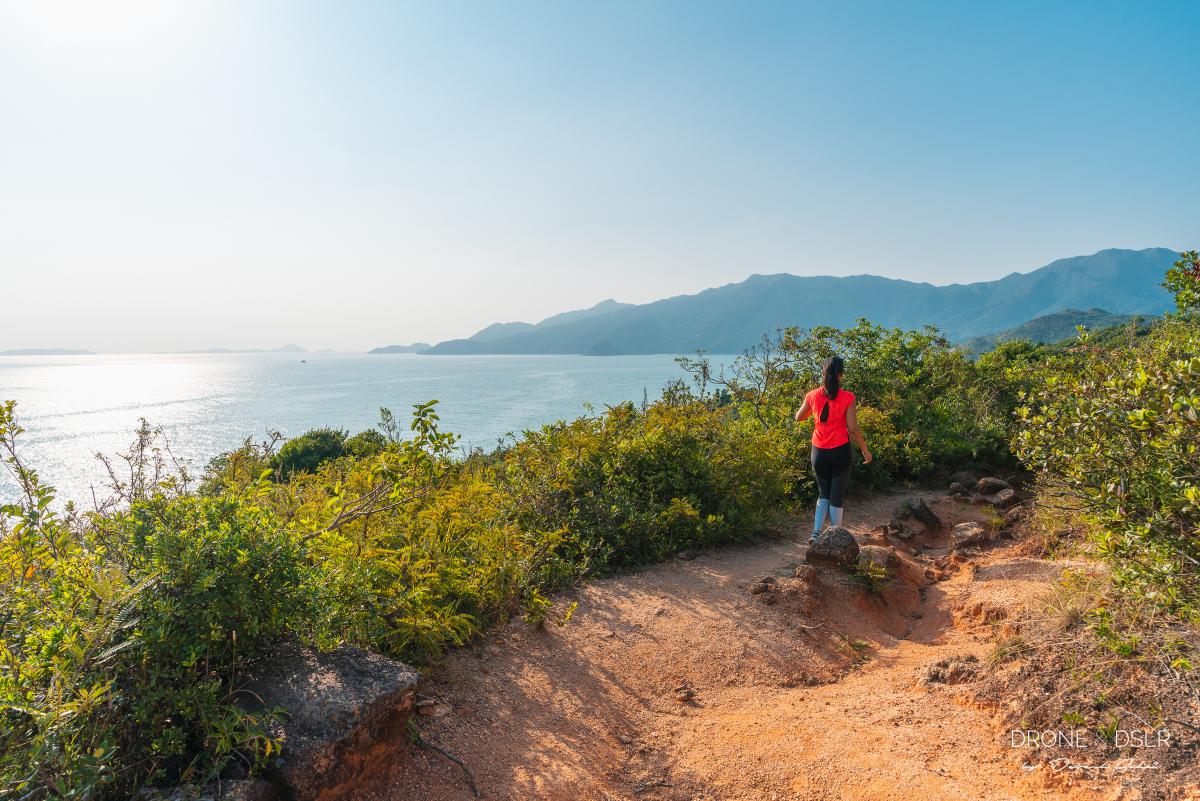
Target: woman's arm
[(856, 432), (803, 413)]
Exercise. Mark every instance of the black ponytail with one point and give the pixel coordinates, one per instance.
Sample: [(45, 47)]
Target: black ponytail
[(831, 376)]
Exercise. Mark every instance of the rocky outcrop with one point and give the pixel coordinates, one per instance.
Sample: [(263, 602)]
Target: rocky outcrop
[(347, 713), (835, 546)]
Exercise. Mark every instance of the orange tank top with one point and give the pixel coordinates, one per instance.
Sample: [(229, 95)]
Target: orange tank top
[(829, 429)]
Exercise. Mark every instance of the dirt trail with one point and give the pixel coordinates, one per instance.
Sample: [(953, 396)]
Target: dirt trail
[(810, 691)]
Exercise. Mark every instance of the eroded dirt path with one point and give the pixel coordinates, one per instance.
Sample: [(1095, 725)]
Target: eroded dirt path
[(810, 691)]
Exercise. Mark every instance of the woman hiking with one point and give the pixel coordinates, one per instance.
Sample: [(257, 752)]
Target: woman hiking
[(834, 424)]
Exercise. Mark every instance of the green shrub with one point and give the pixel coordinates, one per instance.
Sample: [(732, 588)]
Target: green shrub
[(309, 451), (1115, 434), (121, 635)]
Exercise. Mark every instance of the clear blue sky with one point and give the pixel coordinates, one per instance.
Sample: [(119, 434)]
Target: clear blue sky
[(186, 175)]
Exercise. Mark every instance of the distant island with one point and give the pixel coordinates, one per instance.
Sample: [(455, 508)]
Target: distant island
[(416, 347), (291, 347), (732, 318), (47, 352)]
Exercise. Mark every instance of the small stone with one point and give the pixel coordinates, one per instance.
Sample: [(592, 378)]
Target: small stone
[(1002, 498), (970, 534), (879, 556), (625, 739), (759, 589), (964, 477)]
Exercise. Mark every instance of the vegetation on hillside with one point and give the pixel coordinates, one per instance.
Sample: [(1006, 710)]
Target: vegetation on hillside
[(1060, 326), (123, 630)]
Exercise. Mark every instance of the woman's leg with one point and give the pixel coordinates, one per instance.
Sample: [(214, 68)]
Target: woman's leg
[(824, 474), (840, 459)]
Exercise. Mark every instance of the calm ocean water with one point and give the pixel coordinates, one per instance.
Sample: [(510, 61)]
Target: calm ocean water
[(74, 407)]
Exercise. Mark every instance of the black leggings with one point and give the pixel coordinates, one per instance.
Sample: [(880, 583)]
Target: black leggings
[(832, 466)]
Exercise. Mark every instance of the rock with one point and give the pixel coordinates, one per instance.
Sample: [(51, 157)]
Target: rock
[(952, 670), (958, 489), (970, 534), (759, 589), (1002, 498), (1014, 517), (989, 485), (684, 693), (918, 510), (806, 572), (834, 545), (896, 528), (767, 580), (964, 477), (879, 556), (926, 515), (229, 790), (625, 739), (347, 712)]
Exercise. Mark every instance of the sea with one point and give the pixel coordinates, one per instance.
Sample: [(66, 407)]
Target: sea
[(75, 407)]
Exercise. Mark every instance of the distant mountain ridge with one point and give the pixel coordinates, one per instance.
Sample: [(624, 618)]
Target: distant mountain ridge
[(415, 347), (498, 331), (734, 317), (46, 352)]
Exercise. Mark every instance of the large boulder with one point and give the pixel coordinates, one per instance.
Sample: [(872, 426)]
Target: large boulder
[(346, 715), (834, 545)]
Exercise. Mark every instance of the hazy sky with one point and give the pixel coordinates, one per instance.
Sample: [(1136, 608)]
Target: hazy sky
[(349, 174)]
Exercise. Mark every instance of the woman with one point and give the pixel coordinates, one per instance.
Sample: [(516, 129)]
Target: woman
[(834, 424)]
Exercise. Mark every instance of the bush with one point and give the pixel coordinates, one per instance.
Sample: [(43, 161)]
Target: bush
[(309, 451), (1115, 434), (122, 634)]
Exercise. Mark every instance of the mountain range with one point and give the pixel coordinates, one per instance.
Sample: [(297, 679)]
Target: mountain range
[(732, 318)]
